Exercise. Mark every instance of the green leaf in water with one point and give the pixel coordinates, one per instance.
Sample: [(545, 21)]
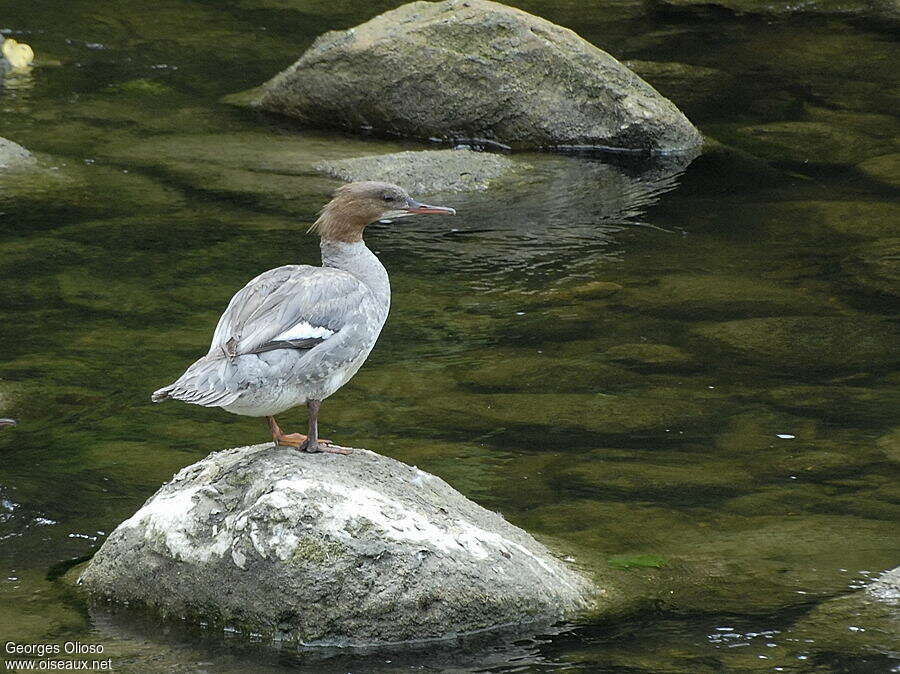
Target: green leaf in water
[(636, 561)]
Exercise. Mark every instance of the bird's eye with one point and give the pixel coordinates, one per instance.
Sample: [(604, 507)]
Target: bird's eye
[(388, 197)]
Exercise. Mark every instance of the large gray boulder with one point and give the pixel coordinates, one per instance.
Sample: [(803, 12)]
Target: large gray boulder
[(326, 549), (474, 69)]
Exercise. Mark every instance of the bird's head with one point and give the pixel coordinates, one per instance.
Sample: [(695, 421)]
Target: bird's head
[(356, 205)]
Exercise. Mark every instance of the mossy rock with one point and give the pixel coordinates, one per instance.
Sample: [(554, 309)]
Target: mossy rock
[(547, 374), (587, 291), (603, 476), (808, 343), (890, 445), (612, 416), (711, 296), (691, 85), (426, 171), (275, 172), (861, 623), (838, 403), (885, 169), (882, 10), (140, 87), (875, 266), (475, 70), (808, 142), (867, 219), (647, 356)]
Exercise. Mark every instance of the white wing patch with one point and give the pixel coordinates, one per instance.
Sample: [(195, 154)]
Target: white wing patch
[(304, 330)]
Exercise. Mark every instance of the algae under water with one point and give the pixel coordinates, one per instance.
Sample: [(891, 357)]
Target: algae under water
[(683, 373)]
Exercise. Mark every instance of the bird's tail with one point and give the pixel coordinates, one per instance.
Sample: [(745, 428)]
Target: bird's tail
[(203, 383)]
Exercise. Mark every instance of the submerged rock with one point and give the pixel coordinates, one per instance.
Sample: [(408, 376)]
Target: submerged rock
[(809, 342), (865, 622), (875, 266), (869, 219), (836, 403), (885, 168), (698, 296), (691, 85), (13, 155), (475, 70), (329, 550), (649, 356), (427, 171), (874, 9), (813, 142)]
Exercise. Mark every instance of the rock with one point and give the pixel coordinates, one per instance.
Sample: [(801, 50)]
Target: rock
[(877, 9), (13, 155), (611, 477), (886, 587), (869, 219), (885, 168), (140, 87), (661, 413), (808, 342), (322, 549), (590, 290), (649, 356), (425, 172), (835, 403), (865, 622), (476, 70), (699, 296), (890, 445), (544, 374), (875, 266), (882, 127), (691, 85), (812, 142), (274, 172)]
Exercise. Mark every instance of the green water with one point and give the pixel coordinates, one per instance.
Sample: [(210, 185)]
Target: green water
[(609, 354)]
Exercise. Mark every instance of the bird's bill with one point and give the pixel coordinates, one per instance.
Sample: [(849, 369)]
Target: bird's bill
[(7, 422), (414, 206)]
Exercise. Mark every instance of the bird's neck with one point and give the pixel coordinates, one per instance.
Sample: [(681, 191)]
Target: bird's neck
[(358, 260)]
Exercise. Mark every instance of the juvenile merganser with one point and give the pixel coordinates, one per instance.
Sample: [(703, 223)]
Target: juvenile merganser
[(297, 333)]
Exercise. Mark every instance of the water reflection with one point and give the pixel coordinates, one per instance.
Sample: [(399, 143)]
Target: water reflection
[(139, 637), (560, 215)]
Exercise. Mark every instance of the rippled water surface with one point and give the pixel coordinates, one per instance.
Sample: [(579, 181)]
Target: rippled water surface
[(679, 372)]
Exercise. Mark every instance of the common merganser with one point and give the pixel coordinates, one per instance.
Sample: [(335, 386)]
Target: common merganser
[(297, 333)]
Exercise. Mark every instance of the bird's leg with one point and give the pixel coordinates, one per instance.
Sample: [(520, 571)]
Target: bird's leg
[(281, 438), (313, 444)]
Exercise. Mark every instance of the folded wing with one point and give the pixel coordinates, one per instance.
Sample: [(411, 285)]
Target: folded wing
[(295, 306)]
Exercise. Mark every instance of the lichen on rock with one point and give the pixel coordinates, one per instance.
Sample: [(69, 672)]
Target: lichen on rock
[(475, 70), (13, 155), (320, 549)]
